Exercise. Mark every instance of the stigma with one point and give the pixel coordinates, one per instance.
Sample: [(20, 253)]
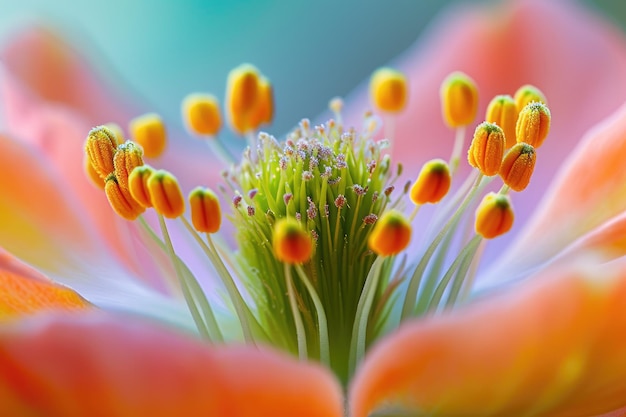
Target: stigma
[(324, 261)]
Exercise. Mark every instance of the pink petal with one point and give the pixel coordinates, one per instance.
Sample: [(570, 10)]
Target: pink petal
[(554, 346), (99, 366)]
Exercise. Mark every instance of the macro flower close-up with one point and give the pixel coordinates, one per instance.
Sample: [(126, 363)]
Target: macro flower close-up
[(443, 238)]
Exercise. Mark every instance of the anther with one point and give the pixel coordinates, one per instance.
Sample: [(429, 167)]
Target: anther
[(100, 147), (494, 216), (149, 132), (201, 114), (527, 94), (138, 184), (391, 234), (120, 199), (533, 124), (128, 156), (518, 166), (242, 94), (93, 176), (459, 99), (432, 184), (487, 148), (388, 90), (264, 109), (503, 112), (165, 194), (292, 244), (206, 214)]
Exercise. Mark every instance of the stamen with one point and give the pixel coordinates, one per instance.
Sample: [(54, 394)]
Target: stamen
[(149, 132), (201, 114), (459, 99), (206, 214), (518, 166), (120, 199), (526, 94), (494, 216), (242, 92), (138, 184), (502, 111), (432, 184), (389, 90), (391, 234), (533, 124), (100, 147), (487, 149), (292, 244), (165, 194), (92, 174), (127, 157)]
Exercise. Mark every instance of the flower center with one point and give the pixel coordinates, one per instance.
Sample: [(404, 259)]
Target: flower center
[(317, 223)]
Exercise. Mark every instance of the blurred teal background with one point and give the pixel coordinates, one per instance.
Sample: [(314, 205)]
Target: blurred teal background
[(311, 50)]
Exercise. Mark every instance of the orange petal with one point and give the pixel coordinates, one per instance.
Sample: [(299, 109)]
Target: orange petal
[(95, 365), (20, 295), (553, 347)]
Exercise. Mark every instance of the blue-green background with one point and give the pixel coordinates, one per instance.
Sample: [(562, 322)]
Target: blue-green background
[(311, 50)]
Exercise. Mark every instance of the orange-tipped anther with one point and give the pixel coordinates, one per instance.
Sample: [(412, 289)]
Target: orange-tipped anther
[(264, 112), (389, 90), (494, 216), (487, 148), (526, 94), (100, 147), (518, 166), (432, 184), (391, 234), (459, 99), (242, 94), (149, 132), (138, 185), (165, 194), (533, 124), (201, 114), (127, 157), (206, 214), (292, 244), (503, 112), (120, 199)]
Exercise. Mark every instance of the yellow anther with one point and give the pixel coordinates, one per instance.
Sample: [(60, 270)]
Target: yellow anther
[(127, 157), (201, 114), (503, 112), (264, 112), (494, 216), (120, 199), (391, 234), (527, 94), (432, 184), (389, 90), (165, 194), (533, 124), (242, 94), (138, 185), (292, 244), (100, 147), (487, 148), (459, 99), (149, 132), (206, 214), (92, 174), (117, 131), (518, 166)]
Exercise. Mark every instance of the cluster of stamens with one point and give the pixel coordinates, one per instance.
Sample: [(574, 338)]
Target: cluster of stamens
[(321, 203)]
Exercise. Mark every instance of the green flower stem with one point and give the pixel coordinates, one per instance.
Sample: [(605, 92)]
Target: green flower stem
[(241, 309), (455, 158), (297, 318), (460, 265), (408, 307), (321, 316), (359, 330), (467, 282), (205, 328)]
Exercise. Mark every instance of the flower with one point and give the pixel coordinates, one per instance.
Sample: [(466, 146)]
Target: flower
[(564, 356)]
